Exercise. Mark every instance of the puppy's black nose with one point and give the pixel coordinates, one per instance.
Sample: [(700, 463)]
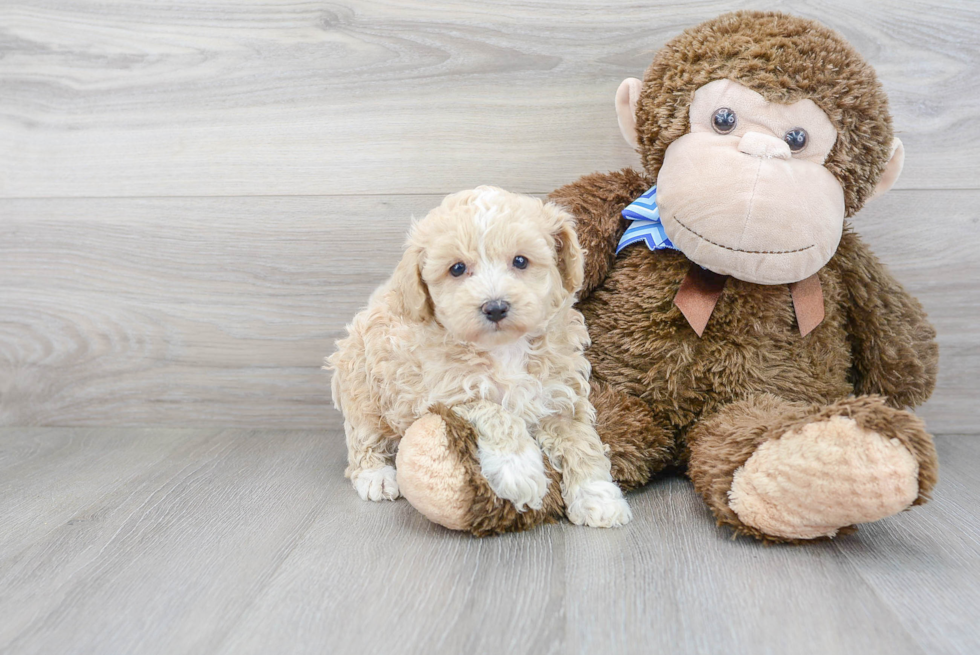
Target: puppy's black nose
[(495, 310)]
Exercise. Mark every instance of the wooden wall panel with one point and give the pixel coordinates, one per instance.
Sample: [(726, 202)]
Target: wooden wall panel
[(218, 311), (141, 98), (194, 196)]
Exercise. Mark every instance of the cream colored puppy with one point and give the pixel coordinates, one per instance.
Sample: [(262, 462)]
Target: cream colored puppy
[(478, 317)]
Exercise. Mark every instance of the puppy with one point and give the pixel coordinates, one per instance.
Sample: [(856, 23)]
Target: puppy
[(478, 316)]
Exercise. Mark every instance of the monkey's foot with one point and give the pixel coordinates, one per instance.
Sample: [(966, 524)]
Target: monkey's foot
[(431, 476), (822, 477), (439, 472)]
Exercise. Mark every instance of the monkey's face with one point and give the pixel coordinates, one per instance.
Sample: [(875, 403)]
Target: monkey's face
[(745, 193)]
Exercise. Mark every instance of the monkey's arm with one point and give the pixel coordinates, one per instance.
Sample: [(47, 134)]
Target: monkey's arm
[(892, 342), (596, 201)]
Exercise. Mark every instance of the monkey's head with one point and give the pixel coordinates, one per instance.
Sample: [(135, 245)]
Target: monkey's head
[(763, 131)]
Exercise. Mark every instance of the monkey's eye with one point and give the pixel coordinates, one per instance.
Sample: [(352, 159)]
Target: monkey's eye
[(796, 139), (457, 269), (724, 120), (520, 262)]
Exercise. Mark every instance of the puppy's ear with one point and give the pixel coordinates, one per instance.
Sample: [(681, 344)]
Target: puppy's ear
[(569, 253), (409, 295)]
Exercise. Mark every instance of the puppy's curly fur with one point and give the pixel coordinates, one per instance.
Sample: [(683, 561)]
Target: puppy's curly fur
[(429, 337)]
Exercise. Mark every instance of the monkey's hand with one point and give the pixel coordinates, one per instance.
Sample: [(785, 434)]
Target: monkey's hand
[(893, 344), (596, 201)]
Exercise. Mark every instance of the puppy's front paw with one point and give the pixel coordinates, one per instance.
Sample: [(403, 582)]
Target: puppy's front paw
[(376, 484), (598, 504), (518, 477)]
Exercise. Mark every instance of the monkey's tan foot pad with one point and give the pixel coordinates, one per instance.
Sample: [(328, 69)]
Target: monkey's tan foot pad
[(439, 473), (824, 476), (430, 475)]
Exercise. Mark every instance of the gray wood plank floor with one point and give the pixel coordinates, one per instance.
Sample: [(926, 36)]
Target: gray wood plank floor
[(251, 541)]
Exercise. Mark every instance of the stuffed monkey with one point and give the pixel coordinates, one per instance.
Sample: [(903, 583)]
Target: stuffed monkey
[(741, 330)]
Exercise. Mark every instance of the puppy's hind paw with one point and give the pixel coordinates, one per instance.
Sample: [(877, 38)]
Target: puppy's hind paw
[(376, 484), (598, 504), (518, 477)]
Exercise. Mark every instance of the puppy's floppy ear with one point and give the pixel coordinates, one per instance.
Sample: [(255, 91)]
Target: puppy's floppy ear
[(409, 295), (569, 254)]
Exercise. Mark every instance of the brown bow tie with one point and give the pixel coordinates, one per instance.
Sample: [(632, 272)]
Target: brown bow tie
[(701, 289)]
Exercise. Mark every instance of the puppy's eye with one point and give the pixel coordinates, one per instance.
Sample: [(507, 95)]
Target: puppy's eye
[(520, 262), (457, 269), (796, 139), (724, 120)]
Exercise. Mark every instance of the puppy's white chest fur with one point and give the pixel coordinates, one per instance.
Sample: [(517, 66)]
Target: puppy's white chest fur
[(513, 386), (498, 374), (512, 358)]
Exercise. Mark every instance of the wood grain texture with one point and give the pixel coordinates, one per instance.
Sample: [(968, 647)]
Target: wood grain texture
[(924, 565), (196, 196), (218, 311), (184, 311), (240, 541), (46, 477), (188, 543), (673, 578), (141, 98)]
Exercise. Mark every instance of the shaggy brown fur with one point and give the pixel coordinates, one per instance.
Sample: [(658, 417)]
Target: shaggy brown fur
[(663, 395), (643, 447), (904, 371), (489, 514), (643, 349), (609, 194), (723, 442)]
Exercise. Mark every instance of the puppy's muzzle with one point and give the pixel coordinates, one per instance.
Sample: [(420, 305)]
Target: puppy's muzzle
[(495, 310)]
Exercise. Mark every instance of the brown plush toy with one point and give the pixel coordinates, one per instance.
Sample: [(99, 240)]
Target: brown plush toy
[(743, 330)]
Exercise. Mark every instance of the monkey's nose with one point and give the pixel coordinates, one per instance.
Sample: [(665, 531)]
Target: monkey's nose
[(763, 145), (495, 310)]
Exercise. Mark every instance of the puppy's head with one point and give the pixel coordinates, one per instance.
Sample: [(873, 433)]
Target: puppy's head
[(489, 266)]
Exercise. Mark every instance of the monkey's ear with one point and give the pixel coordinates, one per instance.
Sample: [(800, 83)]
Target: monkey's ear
[(626, 97), (408, 293), (571, 262), (892, 169)]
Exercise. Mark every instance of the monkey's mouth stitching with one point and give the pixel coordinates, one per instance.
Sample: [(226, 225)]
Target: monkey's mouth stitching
[(750, 252)]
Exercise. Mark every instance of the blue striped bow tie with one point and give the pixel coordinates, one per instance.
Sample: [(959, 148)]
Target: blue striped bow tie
[(645, 225)]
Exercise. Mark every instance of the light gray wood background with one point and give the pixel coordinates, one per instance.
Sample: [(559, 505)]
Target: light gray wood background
[(194, 198)]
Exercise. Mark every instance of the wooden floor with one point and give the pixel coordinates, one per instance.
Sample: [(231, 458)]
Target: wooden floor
[(233, 541)]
